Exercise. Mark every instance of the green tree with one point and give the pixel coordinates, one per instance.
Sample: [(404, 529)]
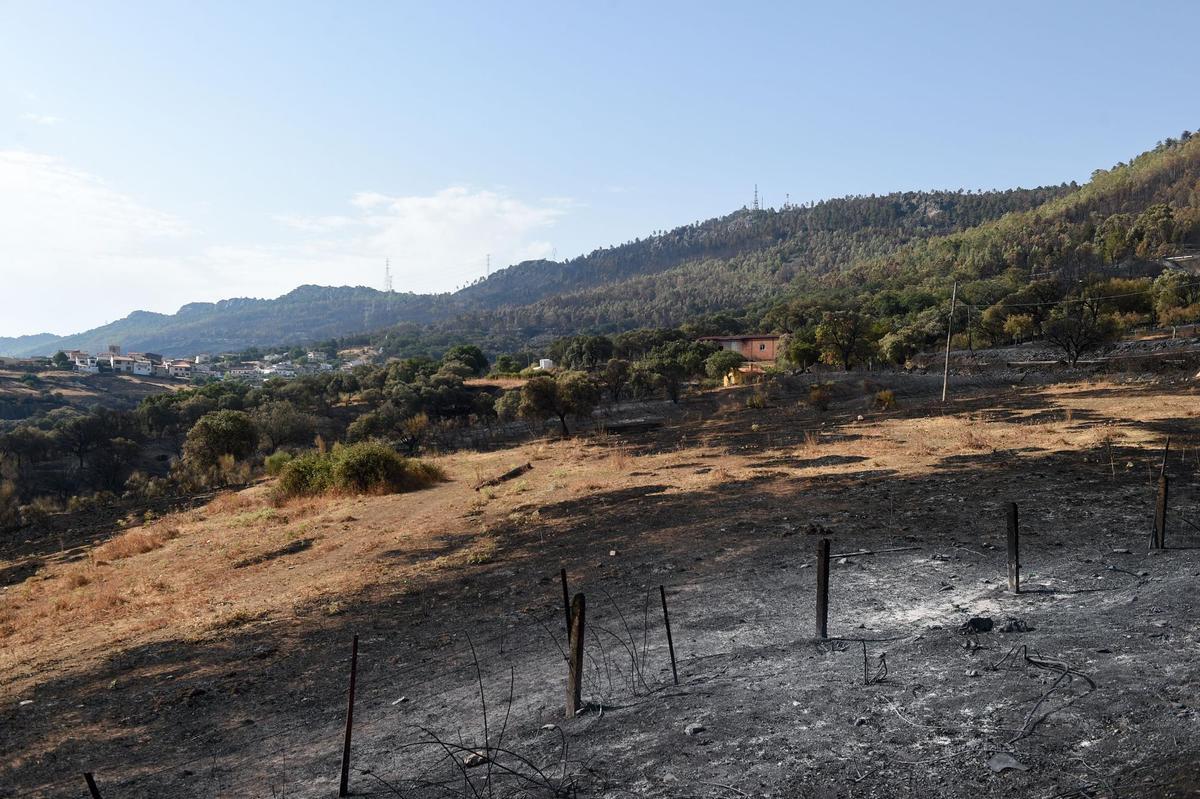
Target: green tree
[(1019, 327), (615, 376), (566, 394), (800, 349), (60, 360), (80, 435), (845, 338), (280, 423), (587, 352), (676, 362), (220, 433), (468, 354), (721, 363)]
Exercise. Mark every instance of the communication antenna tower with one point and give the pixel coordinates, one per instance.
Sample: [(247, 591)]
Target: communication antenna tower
[(387, 275), (489, 265), (755, 196)]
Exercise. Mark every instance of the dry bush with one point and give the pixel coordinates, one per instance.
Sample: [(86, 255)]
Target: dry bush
[(970, 439), (228, 502), (812, 441), (133, 542), (885, 399), (619, 458), (819, 397)]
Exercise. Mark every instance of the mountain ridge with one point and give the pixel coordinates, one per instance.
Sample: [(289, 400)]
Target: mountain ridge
[(828, 233)]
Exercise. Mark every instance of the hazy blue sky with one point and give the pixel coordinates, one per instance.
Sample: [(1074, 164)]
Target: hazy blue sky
[(153, 154)]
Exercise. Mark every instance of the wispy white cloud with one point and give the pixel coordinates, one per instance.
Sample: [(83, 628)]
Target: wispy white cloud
[(78, 252), (41, 119)]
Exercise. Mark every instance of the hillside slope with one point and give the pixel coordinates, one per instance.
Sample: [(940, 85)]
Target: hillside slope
[(817, 238)]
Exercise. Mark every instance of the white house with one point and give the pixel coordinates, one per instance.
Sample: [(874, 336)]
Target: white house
[(86, 363)]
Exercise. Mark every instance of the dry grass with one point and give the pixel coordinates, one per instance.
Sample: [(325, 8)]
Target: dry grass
[(177, 574)]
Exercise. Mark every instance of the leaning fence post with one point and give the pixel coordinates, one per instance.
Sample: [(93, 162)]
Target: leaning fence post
[(344, 788), (566, 599), (823, 588), (575, 660), (91, 784), (1014, 549), (662, 592), (1160, 515)]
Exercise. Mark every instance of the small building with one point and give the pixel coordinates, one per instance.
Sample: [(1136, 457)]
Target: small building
[(753, 347), (545, 363), (86, 363), (180, 368), (120, 363)]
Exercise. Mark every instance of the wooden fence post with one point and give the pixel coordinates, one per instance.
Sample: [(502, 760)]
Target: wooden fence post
[(662, 592), (575, 659), (1014, 549), (1160, 515), (823, 588), (91, 784), (344, 787)]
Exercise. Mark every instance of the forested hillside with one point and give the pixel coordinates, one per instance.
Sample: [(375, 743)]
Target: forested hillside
[(894, 256), (817, 238), (306, 314), (750, 266)]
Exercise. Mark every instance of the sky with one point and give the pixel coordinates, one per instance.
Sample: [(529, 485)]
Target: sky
[(158, 153)]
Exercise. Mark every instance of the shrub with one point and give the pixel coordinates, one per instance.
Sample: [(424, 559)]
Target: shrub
[(819, 397), (220, 433), (39, 509), (885, 399), (311, 473), (275, 462), (370, 467)]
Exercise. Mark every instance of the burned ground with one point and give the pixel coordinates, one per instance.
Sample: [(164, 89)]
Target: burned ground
[(232, 681)]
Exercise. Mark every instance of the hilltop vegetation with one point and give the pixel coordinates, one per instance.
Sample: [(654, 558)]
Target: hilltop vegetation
[(876, 257), (775, 246)]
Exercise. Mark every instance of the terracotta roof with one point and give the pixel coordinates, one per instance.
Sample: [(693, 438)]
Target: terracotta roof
[(741, 338)]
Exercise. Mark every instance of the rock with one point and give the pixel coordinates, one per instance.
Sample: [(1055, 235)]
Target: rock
[(474, 759), (1002, 762), (612, 553), (975, 625), (858, 418), (1122, 552), (549, 726), (860, 721), (1015, 626), (971, 673), (693, 729)]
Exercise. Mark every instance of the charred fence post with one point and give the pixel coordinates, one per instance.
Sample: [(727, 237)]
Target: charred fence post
[(91, 785), (662, 592), (575, 658), (823, 588), (344, 787), (1014, 549), (1160, 515)]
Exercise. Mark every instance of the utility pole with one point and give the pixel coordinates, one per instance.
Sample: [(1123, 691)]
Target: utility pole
[(949, 332)]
